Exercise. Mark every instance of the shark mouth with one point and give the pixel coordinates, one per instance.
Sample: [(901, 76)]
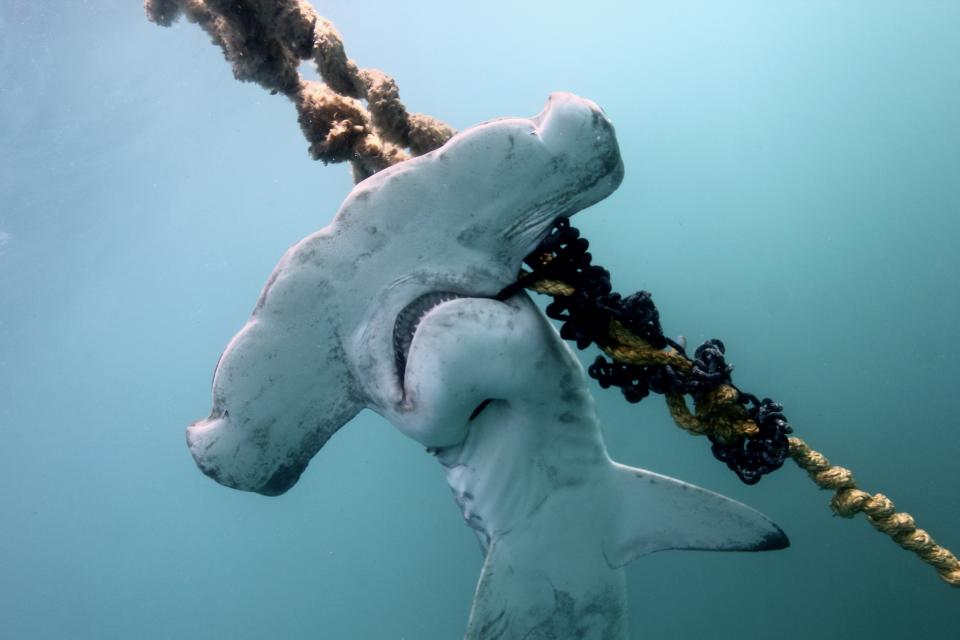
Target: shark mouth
[(409, 319)]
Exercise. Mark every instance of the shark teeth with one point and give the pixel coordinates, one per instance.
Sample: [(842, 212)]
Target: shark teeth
[(409, 319)]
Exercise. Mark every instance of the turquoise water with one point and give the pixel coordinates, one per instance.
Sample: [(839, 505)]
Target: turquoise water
[(792, 187)]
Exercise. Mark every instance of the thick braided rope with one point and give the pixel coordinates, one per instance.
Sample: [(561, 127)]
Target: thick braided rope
[(265, 41), (719, 413), (848, 500), (716, 412), (549, 287)]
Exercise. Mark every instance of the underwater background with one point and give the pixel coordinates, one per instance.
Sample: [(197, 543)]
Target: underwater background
[(792, 187)]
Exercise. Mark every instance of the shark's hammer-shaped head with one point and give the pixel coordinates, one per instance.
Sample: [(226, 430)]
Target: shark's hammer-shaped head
[(332, 328)]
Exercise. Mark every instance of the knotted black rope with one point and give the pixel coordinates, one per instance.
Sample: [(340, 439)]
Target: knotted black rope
[(586, 309)]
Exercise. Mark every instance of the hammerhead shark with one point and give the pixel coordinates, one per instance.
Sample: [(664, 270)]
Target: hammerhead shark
[(393, 307)]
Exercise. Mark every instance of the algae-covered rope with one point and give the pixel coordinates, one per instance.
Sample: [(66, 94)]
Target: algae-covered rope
[(265, 41), (650, 362)]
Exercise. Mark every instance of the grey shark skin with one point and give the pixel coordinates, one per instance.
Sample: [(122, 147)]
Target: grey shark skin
[(390, 308)]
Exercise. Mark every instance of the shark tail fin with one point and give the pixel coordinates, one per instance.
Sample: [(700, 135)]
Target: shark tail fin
[(657, 513)]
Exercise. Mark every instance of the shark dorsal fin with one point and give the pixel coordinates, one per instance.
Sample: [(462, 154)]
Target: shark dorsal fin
[(657, 513)]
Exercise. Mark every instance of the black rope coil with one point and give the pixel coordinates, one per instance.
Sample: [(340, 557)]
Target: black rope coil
[(585, 319)]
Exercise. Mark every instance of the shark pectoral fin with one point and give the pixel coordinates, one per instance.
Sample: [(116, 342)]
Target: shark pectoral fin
[(657, 513)]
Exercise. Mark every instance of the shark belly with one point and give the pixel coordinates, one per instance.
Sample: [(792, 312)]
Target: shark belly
[(513, 465), (539, 494)]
